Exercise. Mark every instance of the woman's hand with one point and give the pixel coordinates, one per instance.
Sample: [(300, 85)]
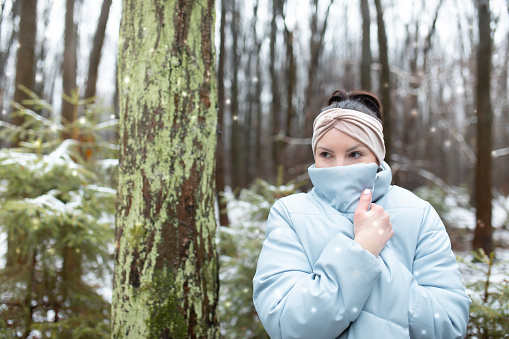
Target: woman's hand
[(372, 229)]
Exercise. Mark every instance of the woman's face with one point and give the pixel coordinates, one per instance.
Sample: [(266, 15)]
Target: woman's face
[(336, 148)]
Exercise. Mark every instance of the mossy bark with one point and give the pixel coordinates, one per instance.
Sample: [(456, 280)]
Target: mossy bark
[(166, 274)]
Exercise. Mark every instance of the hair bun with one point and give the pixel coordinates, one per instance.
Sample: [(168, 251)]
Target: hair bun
[(368, 100), (338, 96), (357, 100)]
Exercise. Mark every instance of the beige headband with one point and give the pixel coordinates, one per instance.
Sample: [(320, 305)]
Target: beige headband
[(358, 125)]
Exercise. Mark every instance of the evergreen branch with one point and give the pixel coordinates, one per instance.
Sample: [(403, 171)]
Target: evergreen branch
[(36, 99), (31, 113), (100, 144), (20, 129), (106, 124)]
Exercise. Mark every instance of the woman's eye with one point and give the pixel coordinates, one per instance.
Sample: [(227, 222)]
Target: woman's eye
[(325, 155), (355, 155)]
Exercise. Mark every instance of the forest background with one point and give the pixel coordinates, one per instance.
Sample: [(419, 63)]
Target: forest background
[(277, 63)]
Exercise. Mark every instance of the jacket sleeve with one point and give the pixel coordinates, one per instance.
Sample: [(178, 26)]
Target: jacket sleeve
[(439, 305), (298, 299)]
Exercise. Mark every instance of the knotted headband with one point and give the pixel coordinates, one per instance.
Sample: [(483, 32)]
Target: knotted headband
[(358, 125)]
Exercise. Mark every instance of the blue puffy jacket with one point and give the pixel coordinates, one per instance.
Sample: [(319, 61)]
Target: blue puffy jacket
[(314, 281)]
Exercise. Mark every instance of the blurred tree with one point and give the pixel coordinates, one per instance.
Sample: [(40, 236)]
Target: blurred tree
[(220, 170), (316, 42), (385, 79), (52, 206), (273, 125), (25, 68), (95, 54), (237, 157), (483, 236), (166, 270), (366, 58), (5, 50), (69, 69), (24, 76)]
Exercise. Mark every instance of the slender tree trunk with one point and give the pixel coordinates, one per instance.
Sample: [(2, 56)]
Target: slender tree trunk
[(28, 297), (24, 76), (483, 235), (316, 44), (166, 270), (249, 172), (237, 158), (430, 35), (291, 76), (385, 81), (25, 65), (366, 58), (95, 54), (274, 106), (69, 65), (259, 116), (223, 213), (71, 278)]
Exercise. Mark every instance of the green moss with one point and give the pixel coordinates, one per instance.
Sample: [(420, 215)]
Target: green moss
[(135, 234), (168, 133), (165, 315)]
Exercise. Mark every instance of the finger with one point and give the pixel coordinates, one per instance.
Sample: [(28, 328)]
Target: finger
[(364, 202)]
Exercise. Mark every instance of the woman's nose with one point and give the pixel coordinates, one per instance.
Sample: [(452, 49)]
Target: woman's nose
[(340, 162)]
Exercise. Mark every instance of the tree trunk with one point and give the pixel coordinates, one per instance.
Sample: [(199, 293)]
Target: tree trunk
[(25, 68), (249, 169), (95, 55), (166, 269), (385, 81), (366, 58), (24, 76), (315, 44), (69, 65), (223, 214), (483, 235), (237, 158), (274, 105), (259, 166)]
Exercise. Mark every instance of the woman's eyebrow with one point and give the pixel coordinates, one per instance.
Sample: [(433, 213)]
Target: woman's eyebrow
[(325, 149), (354, 147)]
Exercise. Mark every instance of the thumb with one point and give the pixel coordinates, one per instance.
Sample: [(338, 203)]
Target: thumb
[(363, 205)]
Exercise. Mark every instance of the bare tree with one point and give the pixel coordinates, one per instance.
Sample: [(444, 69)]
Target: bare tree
[(25, 66), (385, 79), (316, 44), (366, 58), (483, 235), (69, 69), (95, 54)]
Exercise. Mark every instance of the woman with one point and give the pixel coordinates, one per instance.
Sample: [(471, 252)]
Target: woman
[(356, 257)]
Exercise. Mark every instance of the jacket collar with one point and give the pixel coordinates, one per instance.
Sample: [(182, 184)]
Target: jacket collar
[(340, 187)]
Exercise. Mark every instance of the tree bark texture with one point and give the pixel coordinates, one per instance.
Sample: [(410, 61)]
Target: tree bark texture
[(25, 74), (166, 269), (385, 79), (483, 235), (366, 58), (274, 88), (25, 68), (237, 159), (220, 171), (69, 68), (97, 45)]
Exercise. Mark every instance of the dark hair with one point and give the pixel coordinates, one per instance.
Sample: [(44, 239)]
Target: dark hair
[(361, 101)]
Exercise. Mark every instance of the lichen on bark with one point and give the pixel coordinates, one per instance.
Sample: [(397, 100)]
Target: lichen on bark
[(166, 278)]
